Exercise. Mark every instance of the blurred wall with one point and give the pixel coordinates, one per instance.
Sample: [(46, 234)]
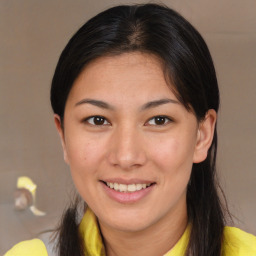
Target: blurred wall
[(32, 35)]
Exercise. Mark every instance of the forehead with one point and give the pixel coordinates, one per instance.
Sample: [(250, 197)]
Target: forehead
[(141, 64), (127, 75)]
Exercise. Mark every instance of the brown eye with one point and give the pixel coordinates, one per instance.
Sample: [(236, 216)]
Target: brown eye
[(97, 120), (159, 120)]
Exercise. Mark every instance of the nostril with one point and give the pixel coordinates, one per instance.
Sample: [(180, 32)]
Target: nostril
[(127, 160)]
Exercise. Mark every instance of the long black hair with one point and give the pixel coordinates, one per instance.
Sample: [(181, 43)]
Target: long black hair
[(187, 65)]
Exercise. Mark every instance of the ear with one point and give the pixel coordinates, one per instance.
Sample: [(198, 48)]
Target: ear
[(205, 136), (60, 130)]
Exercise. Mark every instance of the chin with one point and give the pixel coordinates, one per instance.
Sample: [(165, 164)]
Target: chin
[(131, 226), (128, 222)]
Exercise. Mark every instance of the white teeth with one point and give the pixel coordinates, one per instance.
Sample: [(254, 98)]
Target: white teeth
[(127, 188), (122, 187), (138, 186), (116, 186), (132, 188)]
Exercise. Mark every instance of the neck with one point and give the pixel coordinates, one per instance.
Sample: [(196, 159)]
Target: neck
[(157, 239)]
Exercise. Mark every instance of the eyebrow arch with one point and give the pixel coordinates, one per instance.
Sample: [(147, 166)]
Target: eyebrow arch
[(97, 103), (157, 103)]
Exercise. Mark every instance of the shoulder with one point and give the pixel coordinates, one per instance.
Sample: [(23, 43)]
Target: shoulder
[(238, 242), (33, 247)]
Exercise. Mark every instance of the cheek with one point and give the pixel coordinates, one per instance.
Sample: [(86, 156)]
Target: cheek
[(83, 155), (84, 160), (174, 160), (173, 151)]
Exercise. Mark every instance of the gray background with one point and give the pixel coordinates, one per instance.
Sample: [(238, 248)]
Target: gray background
[(32, 35)]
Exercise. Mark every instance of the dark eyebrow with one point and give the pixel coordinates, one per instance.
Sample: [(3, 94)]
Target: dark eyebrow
[(97, 103), (102, 104), (157, 103)]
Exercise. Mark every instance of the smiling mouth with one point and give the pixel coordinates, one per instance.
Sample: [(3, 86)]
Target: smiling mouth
[(128, 188)]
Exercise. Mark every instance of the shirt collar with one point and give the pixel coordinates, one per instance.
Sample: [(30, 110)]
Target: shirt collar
[(90, 233)]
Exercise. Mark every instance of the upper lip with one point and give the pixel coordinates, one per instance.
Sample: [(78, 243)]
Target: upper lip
[(128, 181)]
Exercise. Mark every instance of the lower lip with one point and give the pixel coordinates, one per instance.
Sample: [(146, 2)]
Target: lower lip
[(127, 197)]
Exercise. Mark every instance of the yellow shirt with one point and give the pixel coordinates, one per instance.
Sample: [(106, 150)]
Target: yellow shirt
[(236, 242)]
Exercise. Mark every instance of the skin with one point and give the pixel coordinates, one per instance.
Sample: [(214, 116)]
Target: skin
[(129, 144)]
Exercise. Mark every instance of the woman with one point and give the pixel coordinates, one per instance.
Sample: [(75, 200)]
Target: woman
[(135, 100)]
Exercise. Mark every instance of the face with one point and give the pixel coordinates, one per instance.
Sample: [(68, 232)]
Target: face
[(130, 143)]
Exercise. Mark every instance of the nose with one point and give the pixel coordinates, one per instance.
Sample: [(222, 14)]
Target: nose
[(127, 149)]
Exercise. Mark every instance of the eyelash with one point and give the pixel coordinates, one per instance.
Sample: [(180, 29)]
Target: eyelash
[(159, 118), (103, 121), (97, 118)]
